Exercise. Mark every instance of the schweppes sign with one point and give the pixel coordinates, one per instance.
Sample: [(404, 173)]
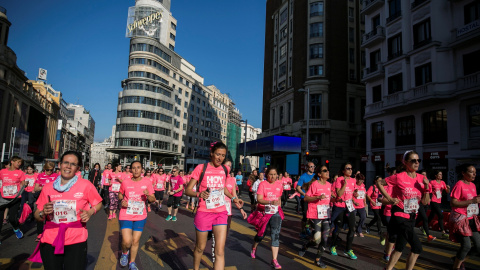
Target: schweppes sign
[(145, 21)]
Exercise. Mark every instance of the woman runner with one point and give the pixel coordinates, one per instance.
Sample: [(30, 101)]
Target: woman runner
[(116, 179), (438, 186), (66, 204), (375, 204), (287, 186), (134, 193)]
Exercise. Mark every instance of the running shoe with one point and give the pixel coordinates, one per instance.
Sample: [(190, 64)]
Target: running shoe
[(350, 254), (110, 217), (333, 251), (275, 264), (18, 233), (124, 259), (302, 251), (252, 253), (382, 240), (169, 217), (445, 235), (386, 257), (160, 207), (367, 229), (149, 209), (174, 218), (430, 238), (132, 266), (319, 263), (423, 231)]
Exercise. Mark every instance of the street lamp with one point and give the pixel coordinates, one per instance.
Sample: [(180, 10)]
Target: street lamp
[(150, 158), (245, 141), (308, 112)]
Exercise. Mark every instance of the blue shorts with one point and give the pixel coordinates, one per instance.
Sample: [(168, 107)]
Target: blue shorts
[(133, 225)]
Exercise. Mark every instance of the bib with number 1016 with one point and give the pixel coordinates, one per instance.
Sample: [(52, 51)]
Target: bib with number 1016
[(410, 206), (216, 199), (350, 206), (135, 207), (472, 210), (64, 211), (323, 211)]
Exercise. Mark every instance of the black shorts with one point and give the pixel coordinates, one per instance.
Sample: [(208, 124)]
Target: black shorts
[(159, 195), (173, 201)]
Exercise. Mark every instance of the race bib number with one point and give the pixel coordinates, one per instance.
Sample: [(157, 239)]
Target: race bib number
[(323, 211), (271, 209), (64, 211), (472, 210), (216, 199), (286, 186), (10, 191), (30, 182), (361, 194), (0, 183), (438, 193), (377, 203), (228, 204), (410, 206), (350, 206), (116, 187), (135, 207), (159, 185)]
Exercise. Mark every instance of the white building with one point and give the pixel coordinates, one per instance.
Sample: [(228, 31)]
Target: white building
[(422, 83), (252, 134), (99, 152)]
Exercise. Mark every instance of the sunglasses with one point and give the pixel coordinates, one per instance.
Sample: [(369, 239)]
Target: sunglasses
[(311, 166), (349, 168), (415, 160), (324, 170), (49, 170)]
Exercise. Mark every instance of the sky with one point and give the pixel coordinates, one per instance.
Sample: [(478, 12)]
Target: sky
[(83, 47)]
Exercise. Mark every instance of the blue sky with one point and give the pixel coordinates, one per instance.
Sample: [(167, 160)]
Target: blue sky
[(82, 44)]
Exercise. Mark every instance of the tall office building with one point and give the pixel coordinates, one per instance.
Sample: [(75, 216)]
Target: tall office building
[(315, 46), (422, 83), (164, 111)]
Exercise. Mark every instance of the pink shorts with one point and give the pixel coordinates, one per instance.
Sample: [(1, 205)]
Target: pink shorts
[(204, 221)]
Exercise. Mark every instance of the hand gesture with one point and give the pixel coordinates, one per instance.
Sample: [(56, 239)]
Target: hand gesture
[(476, 199), (321, 197), (146, 192), (84, 215), (204, 194), (48, 208), (425, 182), (124, 203), (238, 202), (395, 201)]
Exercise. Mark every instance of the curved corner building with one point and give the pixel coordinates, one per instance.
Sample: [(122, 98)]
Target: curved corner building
[(164, 110)]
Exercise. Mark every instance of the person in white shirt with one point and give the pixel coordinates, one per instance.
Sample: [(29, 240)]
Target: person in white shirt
[(261, 177)]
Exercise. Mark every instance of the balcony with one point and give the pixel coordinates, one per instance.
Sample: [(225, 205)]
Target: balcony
[(371, 5), (469, 82), (377, 71), (374, 37), (374, 108), (316, 123), (394, 99)]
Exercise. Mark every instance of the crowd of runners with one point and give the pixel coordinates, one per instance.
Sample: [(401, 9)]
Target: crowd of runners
[(62, 198)]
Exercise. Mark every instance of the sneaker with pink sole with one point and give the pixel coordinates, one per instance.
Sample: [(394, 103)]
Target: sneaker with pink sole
[(276, 265)]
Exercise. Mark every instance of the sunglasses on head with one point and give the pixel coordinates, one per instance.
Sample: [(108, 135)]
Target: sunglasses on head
[(415, 160)]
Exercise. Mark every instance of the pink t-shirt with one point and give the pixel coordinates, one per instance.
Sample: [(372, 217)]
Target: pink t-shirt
[(361, 191), (133, 193), (348, 194), (463, 192), (270, 191), (437, 187), (80, 196), (106, 177), (176, 182), (374, 196), (287, 183), (317, 189), (30, 182), (160, 181), (230, 185), (387, 211), (213, 179), (10, 182), (44, 179), (406, 189), (114, 181)]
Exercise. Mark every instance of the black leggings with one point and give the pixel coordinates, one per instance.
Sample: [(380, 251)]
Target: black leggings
[(252, 200), (422, 216), (351, 228), (285, 197), (320, 236), (405, 232), (376, 219), (74, 257), (12, 215), (435, 210)]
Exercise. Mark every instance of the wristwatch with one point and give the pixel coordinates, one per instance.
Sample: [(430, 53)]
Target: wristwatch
[(41, 214)]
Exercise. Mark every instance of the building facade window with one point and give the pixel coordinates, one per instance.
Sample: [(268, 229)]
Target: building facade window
[(375, 58), (316, 29), (351, 55), (422, 33), (395, 83), (474, 120), (283, 16), (423, 74), (283, 50), (316, 106), (316, 70), (316, 51), (405, 130), (435, 127), (395, 46), (394, 9), (351, 34), (377, 93), (282, 69), (378, 135), (316, 9), (470, 63), (281, 115), (471, 12), (172, 36), (351, 110)]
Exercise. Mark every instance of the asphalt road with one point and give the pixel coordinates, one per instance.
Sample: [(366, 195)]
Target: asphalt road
[(169, 245)]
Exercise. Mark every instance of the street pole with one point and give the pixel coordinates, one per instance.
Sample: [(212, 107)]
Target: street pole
[(245, 143), (193, 161), (150, 158), (308, 116)]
